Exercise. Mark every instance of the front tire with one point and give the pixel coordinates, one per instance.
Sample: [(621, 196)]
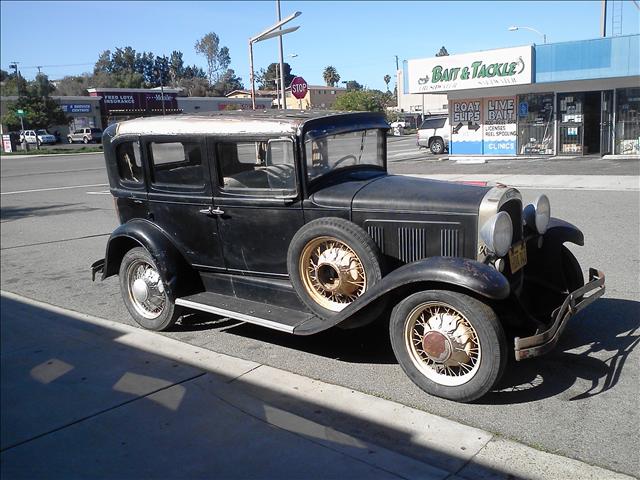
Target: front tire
[(449, 344), (85, 140), (144, 293)]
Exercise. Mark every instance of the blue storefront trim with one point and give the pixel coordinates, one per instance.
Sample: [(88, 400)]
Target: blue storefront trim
[(609, 57)]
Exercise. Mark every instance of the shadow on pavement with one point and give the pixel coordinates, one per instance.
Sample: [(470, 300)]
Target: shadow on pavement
[(526, 381), (79, 399), (16, 213), (610, 326)]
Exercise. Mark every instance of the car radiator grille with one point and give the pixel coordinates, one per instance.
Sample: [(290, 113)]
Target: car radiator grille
[(416, 243)]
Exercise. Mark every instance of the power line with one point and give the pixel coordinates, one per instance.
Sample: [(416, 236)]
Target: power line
[(56, 66)]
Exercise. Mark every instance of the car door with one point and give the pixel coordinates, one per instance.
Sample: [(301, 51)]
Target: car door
[(180, 200), (258, 202)]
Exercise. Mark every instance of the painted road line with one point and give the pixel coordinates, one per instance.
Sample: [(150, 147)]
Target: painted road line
[(630, 183), (55, 188), (103, 192)]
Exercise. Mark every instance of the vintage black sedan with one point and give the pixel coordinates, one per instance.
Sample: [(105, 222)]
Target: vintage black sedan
[(290, 220)]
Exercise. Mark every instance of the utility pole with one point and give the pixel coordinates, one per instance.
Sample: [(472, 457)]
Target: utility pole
[(397, 85), (284, 97)]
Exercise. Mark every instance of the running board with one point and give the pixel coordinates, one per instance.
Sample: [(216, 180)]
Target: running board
[(265, 315)]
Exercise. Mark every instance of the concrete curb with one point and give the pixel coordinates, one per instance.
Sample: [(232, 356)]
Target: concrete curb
[(421, 445)]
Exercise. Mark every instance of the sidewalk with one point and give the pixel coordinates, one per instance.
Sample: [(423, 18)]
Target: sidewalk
[(85, 397)]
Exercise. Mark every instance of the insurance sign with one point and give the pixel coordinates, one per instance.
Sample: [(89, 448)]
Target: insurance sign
[(491, 68)]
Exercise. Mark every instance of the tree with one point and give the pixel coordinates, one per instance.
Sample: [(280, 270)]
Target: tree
[(331, 77), (353, 85), (266, 79), (361, 101), (442, 52), (41, 111), (218, 58), (176, 66), (228, 82), (3, 75), (73, 85), (13, 85), (387, 79)]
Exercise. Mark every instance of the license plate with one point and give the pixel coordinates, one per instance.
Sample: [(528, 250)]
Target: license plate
[(518, 256)]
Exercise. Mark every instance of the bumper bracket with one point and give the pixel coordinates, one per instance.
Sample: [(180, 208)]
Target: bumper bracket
[(543, 342)]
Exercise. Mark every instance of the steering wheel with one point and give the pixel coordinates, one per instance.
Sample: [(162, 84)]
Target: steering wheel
[(344, 159)]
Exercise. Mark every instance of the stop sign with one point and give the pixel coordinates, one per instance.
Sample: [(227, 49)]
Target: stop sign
[(299, 87)]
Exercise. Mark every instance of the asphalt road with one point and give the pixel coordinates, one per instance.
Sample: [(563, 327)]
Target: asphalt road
[(579, 401)]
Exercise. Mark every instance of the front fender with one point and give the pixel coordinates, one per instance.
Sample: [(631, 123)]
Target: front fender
[(177, 275), (455, 272), (560, 231)]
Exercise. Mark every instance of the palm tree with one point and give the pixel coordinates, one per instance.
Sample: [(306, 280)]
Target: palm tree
[(331, 77), (387, 79)]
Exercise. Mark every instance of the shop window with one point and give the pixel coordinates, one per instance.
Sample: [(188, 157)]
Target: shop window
[(535, 124), (627, 131)]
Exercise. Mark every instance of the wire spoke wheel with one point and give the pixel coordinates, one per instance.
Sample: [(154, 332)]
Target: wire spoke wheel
[(442, 343), (332, 273), (145, 288)]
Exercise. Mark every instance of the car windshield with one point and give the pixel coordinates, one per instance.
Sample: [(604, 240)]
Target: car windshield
[(332, 152)]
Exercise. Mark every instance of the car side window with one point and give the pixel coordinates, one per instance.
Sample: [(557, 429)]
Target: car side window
[(129, 165), (262, 168), (177, 165)]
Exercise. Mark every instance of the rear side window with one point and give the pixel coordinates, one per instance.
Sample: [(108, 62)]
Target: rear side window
[(129, 166), (177, 164), (433, 123)]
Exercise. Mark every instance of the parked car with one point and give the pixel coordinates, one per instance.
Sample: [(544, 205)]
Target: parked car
[(434, 134), (291, 221), (39, 137), (85, 135)]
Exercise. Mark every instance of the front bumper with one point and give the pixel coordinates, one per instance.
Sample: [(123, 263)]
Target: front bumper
[(543, 342)]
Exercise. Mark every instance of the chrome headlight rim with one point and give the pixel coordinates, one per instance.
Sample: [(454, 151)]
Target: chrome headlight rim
[(497, 234)]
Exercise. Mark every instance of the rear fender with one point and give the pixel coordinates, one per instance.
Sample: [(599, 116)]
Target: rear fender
[(177, 275), (454, 272)]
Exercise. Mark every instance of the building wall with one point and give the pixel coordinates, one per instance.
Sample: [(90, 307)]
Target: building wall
[(216, 104), (318, 98), (426, 104)]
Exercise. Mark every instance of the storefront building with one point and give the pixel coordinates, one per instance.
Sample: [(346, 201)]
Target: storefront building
[(570, 98)]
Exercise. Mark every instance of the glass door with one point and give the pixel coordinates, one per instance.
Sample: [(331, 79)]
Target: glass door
[(606, 123), (571, 125)]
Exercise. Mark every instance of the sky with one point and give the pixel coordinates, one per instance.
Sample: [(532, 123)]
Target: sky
[(360, 39)]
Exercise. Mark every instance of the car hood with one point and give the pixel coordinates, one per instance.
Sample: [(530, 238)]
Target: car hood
[(399, 193)]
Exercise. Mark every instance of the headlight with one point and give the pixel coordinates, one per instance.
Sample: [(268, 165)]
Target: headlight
[(497, 233), (537, 214)]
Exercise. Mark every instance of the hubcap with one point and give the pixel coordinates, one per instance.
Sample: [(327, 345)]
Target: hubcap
[(332, 273), (442, 343), (146, 290)]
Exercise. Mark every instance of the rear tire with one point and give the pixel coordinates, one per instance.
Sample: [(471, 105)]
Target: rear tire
[(437, 146), (143, 292), (85, 140), (450, 345)]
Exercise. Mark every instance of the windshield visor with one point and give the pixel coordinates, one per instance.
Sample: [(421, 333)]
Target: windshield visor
[(333, 152)]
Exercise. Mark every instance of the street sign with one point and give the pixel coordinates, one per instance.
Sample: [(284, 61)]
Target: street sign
[(299, 88), (20, 112)]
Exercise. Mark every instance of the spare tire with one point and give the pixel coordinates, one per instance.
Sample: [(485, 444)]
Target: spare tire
[(331, 262)]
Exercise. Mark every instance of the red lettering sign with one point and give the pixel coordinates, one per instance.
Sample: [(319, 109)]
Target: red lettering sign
[(299, 87)]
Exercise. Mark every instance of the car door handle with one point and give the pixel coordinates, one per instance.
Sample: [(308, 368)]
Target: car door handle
[(212, 211)]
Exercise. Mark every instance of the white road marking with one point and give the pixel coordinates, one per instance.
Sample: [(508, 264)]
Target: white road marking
[(55, 188), (103, 192)]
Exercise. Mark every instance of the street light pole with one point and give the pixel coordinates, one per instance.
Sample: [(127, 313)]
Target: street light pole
[(272, 31), (284, 97), (513, 28)]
